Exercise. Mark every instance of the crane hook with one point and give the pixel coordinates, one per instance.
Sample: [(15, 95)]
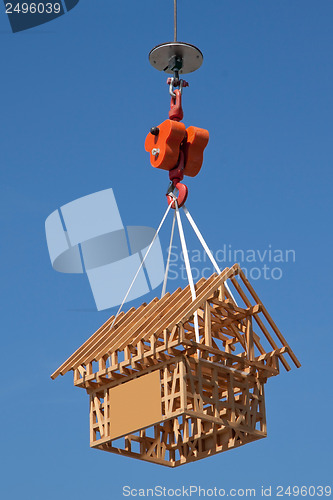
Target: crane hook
[(182, 194), (176, 175)]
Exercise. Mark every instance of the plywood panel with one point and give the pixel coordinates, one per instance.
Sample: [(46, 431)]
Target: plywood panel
[(135, 404)]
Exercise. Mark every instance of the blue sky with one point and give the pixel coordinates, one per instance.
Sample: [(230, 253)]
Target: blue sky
[(78, 98)]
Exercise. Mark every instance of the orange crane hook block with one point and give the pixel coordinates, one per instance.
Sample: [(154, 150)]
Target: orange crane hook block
[(163, 144), (165, 141), (196, 141), (174, 148)]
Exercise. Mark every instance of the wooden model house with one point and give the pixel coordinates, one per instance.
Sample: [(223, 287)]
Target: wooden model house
[(158, 395)]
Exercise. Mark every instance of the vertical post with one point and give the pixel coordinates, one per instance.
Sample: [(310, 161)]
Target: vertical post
[(92, 428), (101, 364), (262, 409), (221, 292), (107, 419), (247, 404), (249, 339), (166, 391), (208, 325), (182, 383), (231, 397)]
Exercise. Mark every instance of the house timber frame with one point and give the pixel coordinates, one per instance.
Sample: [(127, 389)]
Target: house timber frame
[(158, 395)]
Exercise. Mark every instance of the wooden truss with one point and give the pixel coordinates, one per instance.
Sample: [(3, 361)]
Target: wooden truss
[(158, 395)]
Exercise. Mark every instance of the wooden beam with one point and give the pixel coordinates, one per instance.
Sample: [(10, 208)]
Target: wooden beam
[(249, 339), (208, 325), (182, 381)]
